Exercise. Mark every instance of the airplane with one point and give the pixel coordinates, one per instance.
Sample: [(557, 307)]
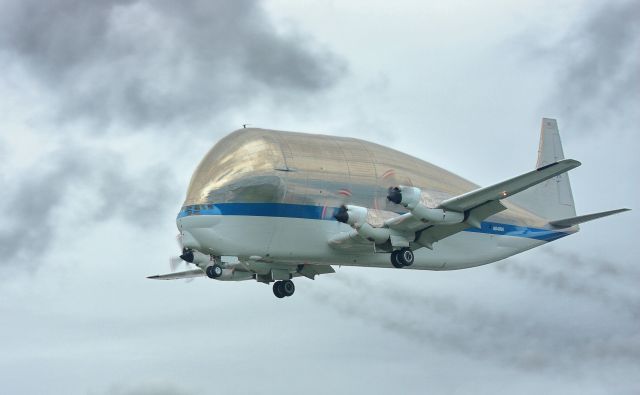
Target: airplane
[(270, 206)]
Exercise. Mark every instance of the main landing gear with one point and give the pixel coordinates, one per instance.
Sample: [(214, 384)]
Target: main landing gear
[(283, 288), (402, 257), (214, 271)]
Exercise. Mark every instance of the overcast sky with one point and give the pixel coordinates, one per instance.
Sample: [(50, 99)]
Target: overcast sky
[(108, 106)]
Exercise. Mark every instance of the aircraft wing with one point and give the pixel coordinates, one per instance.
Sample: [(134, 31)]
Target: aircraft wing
[(309, 271), (178, 275), (429, 235), (476, 206), (509, 187)]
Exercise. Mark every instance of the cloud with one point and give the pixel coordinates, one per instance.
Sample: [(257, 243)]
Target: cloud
[(568, 276), (147, 389), (31, 218), (448, 323), (149, 63), (598, 65), (597, 266)]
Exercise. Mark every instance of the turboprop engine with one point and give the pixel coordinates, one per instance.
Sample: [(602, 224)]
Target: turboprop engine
[(409, 197), (356, 216), (234, 275)]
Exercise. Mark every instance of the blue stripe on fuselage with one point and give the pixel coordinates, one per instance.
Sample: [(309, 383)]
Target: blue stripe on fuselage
[(285, 210), (496, 228)]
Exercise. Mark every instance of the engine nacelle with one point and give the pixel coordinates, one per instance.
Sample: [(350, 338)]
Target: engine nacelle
[(409, 197), (234, 275), (377, 235), (192, 256), (356, 216), (352, 215), (437, 215)]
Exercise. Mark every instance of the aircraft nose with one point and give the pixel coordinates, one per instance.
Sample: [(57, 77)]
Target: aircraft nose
[(190, 242), (187, 238)]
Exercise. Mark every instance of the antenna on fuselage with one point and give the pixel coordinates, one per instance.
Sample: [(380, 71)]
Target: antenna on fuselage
[(244, 125)]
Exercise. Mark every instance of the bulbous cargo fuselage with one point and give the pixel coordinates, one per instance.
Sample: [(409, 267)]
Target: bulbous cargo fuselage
[(274, 194)]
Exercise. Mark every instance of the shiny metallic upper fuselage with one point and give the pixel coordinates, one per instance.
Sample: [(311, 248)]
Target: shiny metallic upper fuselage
[(268, 166)]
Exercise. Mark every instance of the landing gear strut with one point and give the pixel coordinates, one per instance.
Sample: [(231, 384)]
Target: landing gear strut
[(283, 288), (402, 257)]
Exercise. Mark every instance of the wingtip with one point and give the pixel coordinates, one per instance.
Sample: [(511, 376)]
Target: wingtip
[(570, 163), (573, 162)]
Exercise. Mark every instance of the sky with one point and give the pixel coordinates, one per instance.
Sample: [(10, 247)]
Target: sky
[(107, 108)]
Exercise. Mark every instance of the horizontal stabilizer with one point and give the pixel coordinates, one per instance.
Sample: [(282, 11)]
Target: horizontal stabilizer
[(178, 275), (509, 187), (567, 222)]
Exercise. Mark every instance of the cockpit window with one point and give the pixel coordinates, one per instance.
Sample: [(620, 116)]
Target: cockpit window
[(249, 189)]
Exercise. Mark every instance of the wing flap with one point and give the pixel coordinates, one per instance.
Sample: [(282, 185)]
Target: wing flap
[(311, 271), (436, 233), (509, 187)]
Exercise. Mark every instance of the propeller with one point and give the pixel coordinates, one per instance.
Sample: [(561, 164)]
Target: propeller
[(175, 262), (344, 194), (342, 215), (183, 259), (394, 195)]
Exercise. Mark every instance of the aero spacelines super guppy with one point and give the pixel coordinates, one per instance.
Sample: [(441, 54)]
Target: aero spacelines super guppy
[(270, 206)]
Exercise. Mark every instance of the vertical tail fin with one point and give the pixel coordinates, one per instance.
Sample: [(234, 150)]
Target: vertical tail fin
[(553, 198)]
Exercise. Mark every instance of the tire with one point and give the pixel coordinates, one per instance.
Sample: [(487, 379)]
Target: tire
[(288, 288), (277, 289), (214, 271), (405, 257), (394, 260)]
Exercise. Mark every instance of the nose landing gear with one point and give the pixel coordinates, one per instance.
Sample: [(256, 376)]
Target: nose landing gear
[(283, 288), (402, 257)]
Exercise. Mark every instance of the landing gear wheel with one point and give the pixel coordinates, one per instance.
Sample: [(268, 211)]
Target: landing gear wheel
[(214, 271), (288, 287), (405, 256), (278, 289), (394, 260)]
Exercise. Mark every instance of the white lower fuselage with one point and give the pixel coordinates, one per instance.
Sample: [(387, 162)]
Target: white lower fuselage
[(305, 241)]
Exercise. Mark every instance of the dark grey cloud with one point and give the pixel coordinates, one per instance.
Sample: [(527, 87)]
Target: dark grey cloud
[(31, 212), (144, 62), (510, 337), (602, 267), (595, 280), (597, 66)]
